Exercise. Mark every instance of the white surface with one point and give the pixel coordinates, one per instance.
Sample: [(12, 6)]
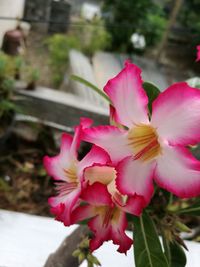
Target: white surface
[(27, 240), (90, 11), (11, 9), (66, 99), (106, 66), (80, 65)]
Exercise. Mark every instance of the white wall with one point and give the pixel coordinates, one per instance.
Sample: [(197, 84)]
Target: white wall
[(10, 8)]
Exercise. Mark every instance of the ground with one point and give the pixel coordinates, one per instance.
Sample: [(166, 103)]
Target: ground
[(24, 184)]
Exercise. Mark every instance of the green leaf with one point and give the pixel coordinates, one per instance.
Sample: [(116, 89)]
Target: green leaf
[(166, 246), (192, 210), (92, 86), (147, 248), (178, 258), (152, 93)]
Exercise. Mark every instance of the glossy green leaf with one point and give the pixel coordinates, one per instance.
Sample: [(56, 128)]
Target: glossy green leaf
[(92, 86), (166, 247), (192, 210), (152, 93), (178, 258), (147, 247)]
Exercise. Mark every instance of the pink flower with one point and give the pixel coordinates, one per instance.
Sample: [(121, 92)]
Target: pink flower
[(198, 53), (107, 221), (68, 172), (107, 175), (151, 148)]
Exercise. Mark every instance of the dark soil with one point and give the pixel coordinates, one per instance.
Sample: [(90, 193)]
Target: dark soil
[(24, 184)]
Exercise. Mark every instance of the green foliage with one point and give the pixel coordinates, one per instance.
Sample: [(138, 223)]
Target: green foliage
[(6, 85), (189, 18), (127, 17), (6, 66), (147, 247), (33, 75), (153, 27), (90, 85), (95, 37), (5, 107), (83, 253), (152, 93), (19, 62), (59, 46), (192, 209), (178, 258)]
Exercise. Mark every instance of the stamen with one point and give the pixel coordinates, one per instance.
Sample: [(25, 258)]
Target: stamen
[(71, 174), (64, 188), (108, 216), (143, 140)]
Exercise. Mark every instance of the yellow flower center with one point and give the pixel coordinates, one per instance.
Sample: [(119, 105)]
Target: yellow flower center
[(143, 140), (108, 215), (71, 173)]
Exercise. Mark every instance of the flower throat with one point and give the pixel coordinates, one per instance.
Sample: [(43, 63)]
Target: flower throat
[(143, 141)]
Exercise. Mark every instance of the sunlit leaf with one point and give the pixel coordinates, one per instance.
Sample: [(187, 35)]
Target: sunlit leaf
[(147, 247), (152, 93), (192, 210), (178, 258), (92, 86)]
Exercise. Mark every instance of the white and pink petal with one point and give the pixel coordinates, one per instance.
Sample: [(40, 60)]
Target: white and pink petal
[(176, 114), (95, 156), (112, 139), (84, 123), (63, 205), (178, 172), (136, 178), (56, 166), (128, 97)]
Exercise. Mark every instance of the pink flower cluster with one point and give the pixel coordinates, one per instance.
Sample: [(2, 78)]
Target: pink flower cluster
[(117, 176)]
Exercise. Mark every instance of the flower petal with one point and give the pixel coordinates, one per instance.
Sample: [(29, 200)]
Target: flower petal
[(82, 213), (176, 114), (76, 142), (97, 195), (118, 233), (84, 123), (101, 234), (198, 53), (99, 173), (110, 138), (178, 172), (128, 97), (96, 155), (62, 206), (115, 231), (135, 177), (133, 205), (55, 166)]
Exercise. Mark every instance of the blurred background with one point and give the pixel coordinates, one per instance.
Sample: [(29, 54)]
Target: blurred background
[(44, 42)]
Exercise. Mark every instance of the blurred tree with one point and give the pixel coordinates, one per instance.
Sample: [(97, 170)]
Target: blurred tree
[(189, 18), (94, 37), (123, 18)]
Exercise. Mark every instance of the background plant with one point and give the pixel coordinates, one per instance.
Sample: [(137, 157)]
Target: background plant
[(59, 46), (123, 18), (95, 37), (7, 71)]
